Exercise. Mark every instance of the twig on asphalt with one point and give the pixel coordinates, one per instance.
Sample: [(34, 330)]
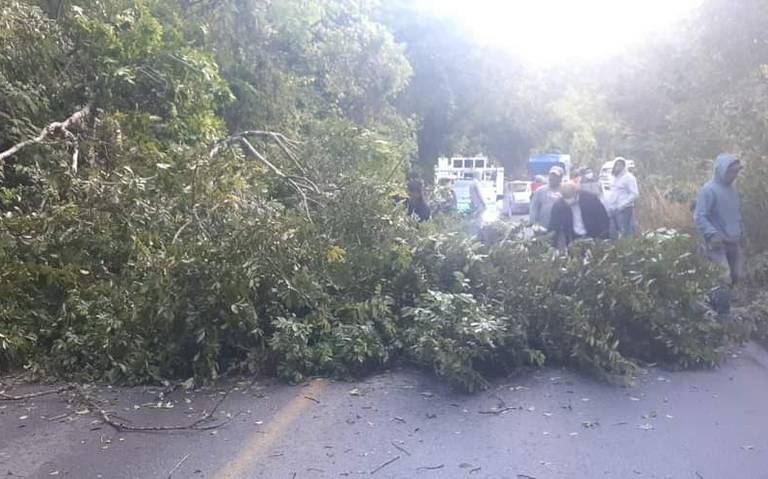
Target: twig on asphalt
[(178, 465), (525, 476), (312, 399), (382, 466), (495, 411), (501, 408), (430, 468), (22, 397), (400, 448)]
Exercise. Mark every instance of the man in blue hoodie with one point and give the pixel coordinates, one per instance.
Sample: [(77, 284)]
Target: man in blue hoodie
[(718, 218)]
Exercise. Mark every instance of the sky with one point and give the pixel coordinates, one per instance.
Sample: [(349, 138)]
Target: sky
[(546, 32)]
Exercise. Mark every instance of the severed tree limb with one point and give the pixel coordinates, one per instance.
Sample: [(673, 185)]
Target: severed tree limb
[(283, 142), (64, 126), (255, 153), (115, 422), (23, 397), (120, 424)]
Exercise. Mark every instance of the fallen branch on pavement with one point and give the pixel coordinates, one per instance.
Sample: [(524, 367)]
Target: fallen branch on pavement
[(401, 448), (23, 397), (113, 420), (382, 466), (178, 465), (430, 468), (500, 408)]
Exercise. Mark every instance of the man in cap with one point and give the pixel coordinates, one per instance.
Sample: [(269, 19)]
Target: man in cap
[(545, 197), (718, 217), (620, 200), (578, 214)]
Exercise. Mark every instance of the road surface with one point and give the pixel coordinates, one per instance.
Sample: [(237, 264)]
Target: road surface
[(403, 423)]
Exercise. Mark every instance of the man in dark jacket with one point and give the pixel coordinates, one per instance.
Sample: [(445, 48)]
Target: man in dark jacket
[(578, 214), (417, 202)]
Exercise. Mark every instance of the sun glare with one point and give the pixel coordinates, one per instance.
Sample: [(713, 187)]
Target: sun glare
[(557, 31)]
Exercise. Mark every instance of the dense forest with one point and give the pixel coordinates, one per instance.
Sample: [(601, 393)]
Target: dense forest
[(193, 187)]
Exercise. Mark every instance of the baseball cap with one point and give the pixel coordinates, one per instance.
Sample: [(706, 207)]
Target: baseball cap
[(557, 171)]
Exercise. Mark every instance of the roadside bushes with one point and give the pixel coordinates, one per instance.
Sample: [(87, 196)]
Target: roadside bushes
[(257, 288), (604, 308)]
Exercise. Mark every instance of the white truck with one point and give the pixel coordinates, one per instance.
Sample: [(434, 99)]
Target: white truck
[(458, 172)]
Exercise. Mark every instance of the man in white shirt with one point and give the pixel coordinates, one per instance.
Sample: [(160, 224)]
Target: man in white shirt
[(620, 200)]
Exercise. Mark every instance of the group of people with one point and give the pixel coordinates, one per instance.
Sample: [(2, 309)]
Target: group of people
[(579, 209), (572, 211)]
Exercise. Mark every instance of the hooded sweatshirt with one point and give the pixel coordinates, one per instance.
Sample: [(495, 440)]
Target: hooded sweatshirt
[(718, 212)]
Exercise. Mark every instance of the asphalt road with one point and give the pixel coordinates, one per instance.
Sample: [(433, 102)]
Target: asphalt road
[(406, 424)]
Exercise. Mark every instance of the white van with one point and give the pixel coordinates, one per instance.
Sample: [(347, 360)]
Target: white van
[(606, 173), (517, 197)]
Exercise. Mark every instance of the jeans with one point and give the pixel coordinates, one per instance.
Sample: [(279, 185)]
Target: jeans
[(623, 223), (727, 256)]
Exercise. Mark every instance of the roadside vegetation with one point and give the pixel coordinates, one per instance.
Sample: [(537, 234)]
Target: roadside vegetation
[(207, 187)]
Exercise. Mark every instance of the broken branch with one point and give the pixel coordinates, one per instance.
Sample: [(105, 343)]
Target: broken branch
[(255, 153), (382, 466), (64, 126), (178, 465), (196, 425), (23, 397), (401, 448)]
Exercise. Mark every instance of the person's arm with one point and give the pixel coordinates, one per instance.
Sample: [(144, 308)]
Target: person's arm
[(704, 205), (533, 213)]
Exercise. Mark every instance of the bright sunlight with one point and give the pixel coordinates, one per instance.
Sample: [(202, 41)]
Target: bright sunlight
[(561, 31)]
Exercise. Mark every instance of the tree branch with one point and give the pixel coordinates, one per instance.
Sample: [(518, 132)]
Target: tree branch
[(24, 397), (64, 126), (255, 153)]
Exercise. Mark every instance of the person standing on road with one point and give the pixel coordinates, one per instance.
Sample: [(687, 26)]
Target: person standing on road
[(477, 205), (718, 217), (620, 200), (578, 214), (545, 198), (417, 202), (590, 183)]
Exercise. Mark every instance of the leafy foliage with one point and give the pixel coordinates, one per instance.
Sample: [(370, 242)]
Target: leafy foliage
[(147, 243)]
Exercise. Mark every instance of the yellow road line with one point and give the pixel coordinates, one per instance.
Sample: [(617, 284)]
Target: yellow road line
[(255, 446)]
